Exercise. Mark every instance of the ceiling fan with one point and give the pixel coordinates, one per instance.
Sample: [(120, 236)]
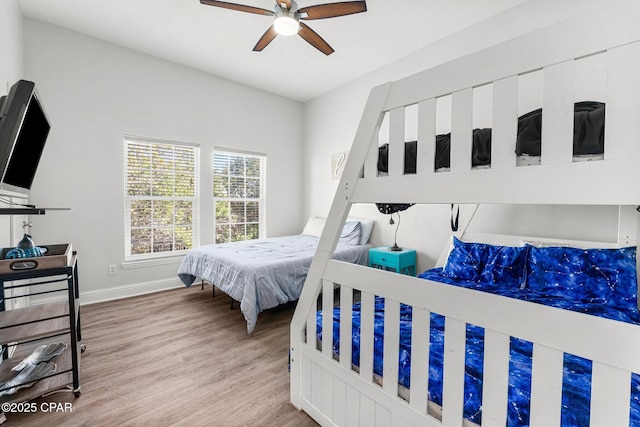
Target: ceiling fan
[(287, 18)]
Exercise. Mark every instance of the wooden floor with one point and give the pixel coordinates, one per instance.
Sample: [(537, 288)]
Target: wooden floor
[(175, 358)]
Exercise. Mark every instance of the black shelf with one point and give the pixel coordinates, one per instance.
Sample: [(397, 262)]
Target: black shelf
[(26, 328), (22, 211), (29, 211)]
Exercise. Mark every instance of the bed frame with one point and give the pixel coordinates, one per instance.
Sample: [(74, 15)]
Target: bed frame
[(330, 390)]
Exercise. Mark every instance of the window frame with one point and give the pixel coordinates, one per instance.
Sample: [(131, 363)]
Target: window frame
[(128, 199), (261, 199)]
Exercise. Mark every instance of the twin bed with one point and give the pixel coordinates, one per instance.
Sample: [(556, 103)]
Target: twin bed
[(506, 330)]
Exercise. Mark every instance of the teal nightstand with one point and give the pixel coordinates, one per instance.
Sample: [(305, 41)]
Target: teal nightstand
[(403, 261)]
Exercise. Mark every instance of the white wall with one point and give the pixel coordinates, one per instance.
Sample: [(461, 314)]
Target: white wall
[(95, 93), (11, 46), (10, 72), (331, 121)]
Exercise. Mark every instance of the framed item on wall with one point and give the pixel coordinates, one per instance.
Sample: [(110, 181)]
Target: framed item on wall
[(338, 161)]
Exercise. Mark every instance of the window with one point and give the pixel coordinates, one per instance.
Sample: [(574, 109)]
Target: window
[(238, 182), (161, 201)]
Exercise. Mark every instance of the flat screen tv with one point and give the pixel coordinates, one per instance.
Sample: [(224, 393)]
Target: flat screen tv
[(24, 128)]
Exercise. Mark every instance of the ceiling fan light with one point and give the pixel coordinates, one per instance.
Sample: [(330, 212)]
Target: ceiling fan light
[(286, 26)]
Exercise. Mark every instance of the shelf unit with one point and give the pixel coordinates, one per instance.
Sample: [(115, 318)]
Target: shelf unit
[(24, 329)]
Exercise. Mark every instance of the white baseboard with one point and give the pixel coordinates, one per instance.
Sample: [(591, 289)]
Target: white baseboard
[(119, 292)]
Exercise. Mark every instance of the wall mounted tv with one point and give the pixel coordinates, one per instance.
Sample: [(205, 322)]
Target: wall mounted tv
[(24, 128)]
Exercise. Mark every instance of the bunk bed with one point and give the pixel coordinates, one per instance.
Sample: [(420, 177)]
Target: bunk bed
[(366, 383)]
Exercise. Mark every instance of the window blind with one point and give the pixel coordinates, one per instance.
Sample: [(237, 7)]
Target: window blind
[(238, 191), (161, 197)]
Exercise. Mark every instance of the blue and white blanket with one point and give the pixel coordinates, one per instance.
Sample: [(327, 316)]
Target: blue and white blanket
[(261, 274)]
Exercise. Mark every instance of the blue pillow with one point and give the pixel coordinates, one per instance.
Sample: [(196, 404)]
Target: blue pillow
[(604, 276), (484, 263), (506, 266)]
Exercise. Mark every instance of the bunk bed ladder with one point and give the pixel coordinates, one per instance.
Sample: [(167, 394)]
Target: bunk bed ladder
[(367, 131)]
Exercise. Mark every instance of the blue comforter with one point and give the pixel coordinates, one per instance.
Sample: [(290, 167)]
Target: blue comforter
[(576, 387)]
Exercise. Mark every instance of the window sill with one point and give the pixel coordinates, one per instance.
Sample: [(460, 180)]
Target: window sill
[(151, 262)]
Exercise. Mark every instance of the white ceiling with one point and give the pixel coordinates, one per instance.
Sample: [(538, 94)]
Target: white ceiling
[(220, 41)]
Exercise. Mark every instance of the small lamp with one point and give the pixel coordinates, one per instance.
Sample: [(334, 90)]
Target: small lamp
[(390, 209), (395, 247)]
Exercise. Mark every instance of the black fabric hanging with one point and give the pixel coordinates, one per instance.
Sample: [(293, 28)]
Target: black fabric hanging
[(389, 208), (455, 218)]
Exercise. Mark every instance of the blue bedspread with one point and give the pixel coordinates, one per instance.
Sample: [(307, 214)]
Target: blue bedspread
[(576, 387)]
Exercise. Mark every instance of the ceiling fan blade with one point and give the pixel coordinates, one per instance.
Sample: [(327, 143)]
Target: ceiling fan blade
[(331, 10), (238, 7), (266, 38), (314, 39), (287, 3)]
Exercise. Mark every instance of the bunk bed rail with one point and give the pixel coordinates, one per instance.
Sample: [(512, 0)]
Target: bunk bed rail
[(500, 69), (333, 384)]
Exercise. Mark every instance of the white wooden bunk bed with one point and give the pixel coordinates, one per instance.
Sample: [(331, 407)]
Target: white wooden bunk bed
[(328, 386)]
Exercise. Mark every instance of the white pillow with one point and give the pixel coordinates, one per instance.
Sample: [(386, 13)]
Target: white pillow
[(314, 226), (549, 244), (350, 233), (366, 226)]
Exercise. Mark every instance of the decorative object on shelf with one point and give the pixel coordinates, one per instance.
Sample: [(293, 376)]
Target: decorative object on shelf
[(26, 248), (44, 353), (26, 242), (27, 377), (33, 252)]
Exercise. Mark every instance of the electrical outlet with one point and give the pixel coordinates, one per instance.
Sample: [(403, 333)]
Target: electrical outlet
[(112, 269)]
